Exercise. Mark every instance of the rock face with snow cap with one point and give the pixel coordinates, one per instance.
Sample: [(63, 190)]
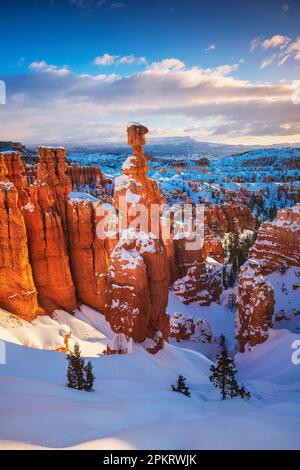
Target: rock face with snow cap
[(139, 271), (89, 255), (255, 305), (17, 290), (181, 327), (41, 206), (278, 242)]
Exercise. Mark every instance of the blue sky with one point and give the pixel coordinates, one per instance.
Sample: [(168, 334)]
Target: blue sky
[(93, 64)]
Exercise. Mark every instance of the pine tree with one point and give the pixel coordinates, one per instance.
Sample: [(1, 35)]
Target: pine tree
[(223, 377), (181, 386), (75, 372), (89, 377)]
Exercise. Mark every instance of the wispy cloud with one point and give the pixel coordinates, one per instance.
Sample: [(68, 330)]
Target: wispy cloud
[(105, 60), (108, 59), (21, 61), (284, 48), (117, 5), (88, 5), (285, 7), (43, 66), (275, 41), (211, 47), (268, 61), (255, 43)]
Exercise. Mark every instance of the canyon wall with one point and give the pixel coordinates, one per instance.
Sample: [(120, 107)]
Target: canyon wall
[(277, 244), (18, 294), (277, 247)]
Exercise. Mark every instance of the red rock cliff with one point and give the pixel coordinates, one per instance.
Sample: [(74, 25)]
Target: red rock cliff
[(17, 292), (278, 242), (41, 207), (255, 306), (139, 271)]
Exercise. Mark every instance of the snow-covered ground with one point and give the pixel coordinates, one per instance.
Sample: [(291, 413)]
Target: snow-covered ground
[(132, 406)]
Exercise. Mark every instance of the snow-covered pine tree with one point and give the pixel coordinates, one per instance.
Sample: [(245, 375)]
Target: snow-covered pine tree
[(223, 377), (181, 386), (89, 377), (75, 372)]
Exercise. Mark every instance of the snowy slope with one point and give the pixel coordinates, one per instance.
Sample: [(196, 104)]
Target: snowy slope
[(132, 405)]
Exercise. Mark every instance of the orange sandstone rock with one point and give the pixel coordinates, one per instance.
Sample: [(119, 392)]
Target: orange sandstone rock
[(89, 254), (255, 306), (278, 242), (17, 290)]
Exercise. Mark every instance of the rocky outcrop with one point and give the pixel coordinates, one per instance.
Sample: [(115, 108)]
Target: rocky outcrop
[(212, 247), (221, 219), (239, 217), (41, 205), (276, 248), (255, 306), (84, 175), (199, 281), (182, 327), (54, 166), (139, 272), (89, 255), (278, 243), (18, 294)]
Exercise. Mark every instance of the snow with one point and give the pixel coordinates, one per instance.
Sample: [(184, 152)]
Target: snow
[(29, 207), (132, 406), (78, 196)]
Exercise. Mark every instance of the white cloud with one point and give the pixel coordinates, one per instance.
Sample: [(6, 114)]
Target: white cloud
[(166, 65), (132, 59), (268, 61), (117, 5), (255, 43), (275, 41), (105, 60), (284, 48), (211, 47), (108, 59), (285, 7), (45, 106), (42, 66)]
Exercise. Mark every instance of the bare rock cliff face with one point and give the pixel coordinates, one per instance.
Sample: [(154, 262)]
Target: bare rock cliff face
[(276, 248), (17, 292), (139, 271), (255, 306), (278, 242), (81, 176), (89, 255), (41, 207)]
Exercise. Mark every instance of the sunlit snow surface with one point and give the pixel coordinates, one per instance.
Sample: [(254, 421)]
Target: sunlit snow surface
[(132, 405)]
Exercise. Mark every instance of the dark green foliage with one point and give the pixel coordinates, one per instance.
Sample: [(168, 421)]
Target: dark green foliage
[(223, 377), (181, 386), (79, 375), (89, 377)]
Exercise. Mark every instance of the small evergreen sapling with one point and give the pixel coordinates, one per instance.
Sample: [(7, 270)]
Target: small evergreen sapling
[(223, 377), (89, 377), (79, 374), (181, 386)]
